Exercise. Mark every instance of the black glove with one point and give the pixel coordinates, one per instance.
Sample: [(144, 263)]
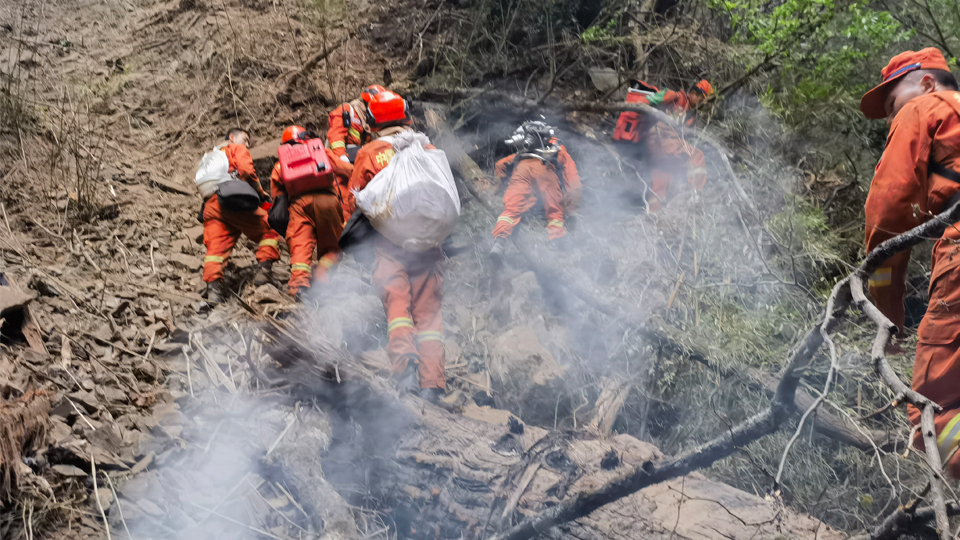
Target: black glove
[(203, 205), (264, 197)]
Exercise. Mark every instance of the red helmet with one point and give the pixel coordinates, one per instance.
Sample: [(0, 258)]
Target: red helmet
[(293, 134), (371, 91), (387, 108)]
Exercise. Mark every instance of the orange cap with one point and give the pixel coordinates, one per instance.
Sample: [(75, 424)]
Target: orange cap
[(705, 87), (871, 104)]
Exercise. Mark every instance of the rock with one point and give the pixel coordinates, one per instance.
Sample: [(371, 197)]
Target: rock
[(86, 399), (526, 377), (68, 470), (183, 245), (13, 299), (194, 233), (170, 186), (185, 262)]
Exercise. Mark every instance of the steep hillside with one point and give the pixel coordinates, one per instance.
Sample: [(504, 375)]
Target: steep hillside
[(130, 405)]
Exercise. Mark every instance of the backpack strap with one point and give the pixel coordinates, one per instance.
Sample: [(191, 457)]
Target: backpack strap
[(934, 167), (950, 174)]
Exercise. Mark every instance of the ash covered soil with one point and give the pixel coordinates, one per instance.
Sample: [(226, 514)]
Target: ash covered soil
[(130, 404)]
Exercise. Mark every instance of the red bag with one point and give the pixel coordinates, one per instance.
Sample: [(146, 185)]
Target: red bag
[(631, 125), (305, 167)]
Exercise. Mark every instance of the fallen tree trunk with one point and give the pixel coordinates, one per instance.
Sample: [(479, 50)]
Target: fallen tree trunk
[(439, 473)]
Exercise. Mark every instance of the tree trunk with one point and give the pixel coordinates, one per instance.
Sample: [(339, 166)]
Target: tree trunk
[(440, 473)]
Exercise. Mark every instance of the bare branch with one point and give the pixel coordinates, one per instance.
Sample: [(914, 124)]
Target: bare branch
[(847, 291)]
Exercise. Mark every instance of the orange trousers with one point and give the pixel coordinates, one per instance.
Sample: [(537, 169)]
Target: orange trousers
[(670, 155), (521, 196), (222, 229), (316, 221), (936, 370), (411, 288)]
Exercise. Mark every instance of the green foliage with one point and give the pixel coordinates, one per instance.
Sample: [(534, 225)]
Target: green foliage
[(599, 33), (819, 46)]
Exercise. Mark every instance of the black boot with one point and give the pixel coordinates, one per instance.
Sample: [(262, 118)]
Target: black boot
[(432, 395), (263, 275), (215, 292), (496, 252), (409, 380), (561, 244)]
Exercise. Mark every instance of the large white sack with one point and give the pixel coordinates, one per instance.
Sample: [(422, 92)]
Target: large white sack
[(214, 168), (413, 201)]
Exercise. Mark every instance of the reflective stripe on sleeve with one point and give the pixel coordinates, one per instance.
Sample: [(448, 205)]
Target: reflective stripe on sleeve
[(506, 218), (882, 277), (556, 223), (338, 144), (300, 267), (213, 259)]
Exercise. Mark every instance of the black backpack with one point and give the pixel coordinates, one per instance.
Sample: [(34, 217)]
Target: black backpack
[(279, 216)]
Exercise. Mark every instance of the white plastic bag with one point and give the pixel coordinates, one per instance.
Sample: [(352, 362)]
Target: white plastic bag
[(413, 201), (214, 167)]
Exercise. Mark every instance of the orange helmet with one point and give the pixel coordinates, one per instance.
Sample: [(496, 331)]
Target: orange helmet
[(293, 134), (386, 107), (705, 88), (371, 91)]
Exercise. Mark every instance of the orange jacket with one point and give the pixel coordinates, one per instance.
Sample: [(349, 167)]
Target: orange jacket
[(926, 129), (571, 178), (241, 162), (371, 159), (341, 171), (339, 136), (673, 103)]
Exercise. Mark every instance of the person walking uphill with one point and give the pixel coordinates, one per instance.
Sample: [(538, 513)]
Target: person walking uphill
[(314, 207), (669, 154), (919, 176), (536, 169), (227, 211), (409, 283), (347, 124)]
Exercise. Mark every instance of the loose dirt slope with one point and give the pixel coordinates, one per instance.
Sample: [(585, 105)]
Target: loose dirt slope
[(106, 106)]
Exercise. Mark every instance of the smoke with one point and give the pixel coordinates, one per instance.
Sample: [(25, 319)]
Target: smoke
[(696, 270)]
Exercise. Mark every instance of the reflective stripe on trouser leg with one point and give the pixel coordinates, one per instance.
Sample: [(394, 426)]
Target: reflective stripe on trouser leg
[(948, 437), (696, 168), (504, 226), (399, 322), (429, 335), (322, 270), (881, 277), (427, 300), (517, 199), (556, 229), (219, 237)]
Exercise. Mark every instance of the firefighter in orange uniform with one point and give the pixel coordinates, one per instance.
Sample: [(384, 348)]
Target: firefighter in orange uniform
[(222, 228), (670, 155), (347, 124), (536, 169), (918, 177), (410, 284), (316, 221)]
